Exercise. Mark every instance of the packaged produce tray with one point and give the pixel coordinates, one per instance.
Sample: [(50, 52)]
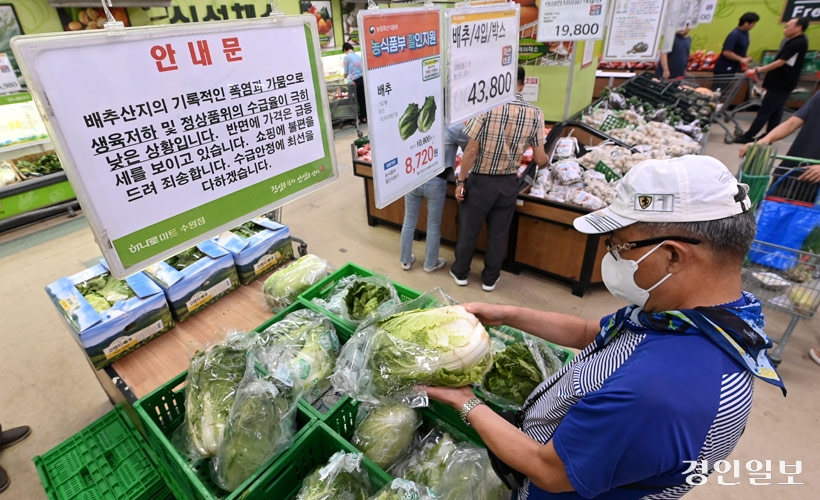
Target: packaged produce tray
[(587, 137), (163, 411), (322, 289), (109, 459)]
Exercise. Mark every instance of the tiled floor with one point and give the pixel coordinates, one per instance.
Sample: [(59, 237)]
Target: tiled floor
[(45, 381)]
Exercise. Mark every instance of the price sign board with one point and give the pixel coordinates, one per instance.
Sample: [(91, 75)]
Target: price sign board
[(177, 133), (403, 81), (482, 59), (569, 20), (8, 80), (634, 30)]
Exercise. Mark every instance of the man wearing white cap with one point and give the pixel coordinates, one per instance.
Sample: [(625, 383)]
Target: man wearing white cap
[(663, 385)]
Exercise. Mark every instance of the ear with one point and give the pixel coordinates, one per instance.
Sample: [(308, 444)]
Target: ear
[(679, 256)]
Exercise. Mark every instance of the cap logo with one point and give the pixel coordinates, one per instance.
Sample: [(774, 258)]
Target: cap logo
[(644, 201), (654, 202)]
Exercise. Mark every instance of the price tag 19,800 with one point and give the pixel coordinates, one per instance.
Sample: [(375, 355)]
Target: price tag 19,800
[(563, 20), (483, 58)]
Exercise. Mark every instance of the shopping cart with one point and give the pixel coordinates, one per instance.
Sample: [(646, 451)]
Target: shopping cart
[(727, 88), (343, 104), (786, 278), (276, 216)]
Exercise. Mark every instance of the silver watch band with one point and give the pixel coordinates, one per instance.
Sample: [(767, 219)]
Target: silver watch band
[(468, 407)]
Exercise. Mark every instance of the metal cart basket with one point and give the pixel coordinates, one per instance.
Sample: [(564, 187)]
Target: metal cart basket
[(784, 279), (729, 86)]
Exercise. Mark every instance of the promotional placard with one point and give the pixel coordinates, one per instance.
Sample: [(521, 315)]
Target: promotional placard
[(635, 30), (482, 59), (570, 20), (177, 133), (8, 80), (401, 51)]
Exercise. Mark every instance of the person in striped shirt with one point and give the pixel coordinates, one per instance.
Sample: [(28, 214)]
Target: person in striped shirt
[(663, 383)]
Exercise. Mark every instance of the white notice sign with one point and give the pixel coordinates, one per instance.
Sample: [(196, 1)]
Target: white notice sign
[(483, 59), (569, 20), (8, 80), (530, 92), (177, 133), (635, 31)]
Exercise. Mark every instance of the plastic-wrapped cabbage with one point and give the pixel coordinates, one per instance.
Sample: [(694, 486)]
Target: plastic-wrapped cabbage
[(402, 489), (428, 463), (341, 479), (284, 286), (357, 298), (469, 474), (262, 420), (386, 434), (314, 348), (211, 389)]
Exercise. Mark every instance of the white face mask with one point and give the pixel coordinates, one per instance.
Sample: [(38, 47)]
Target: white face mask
[(619, 278)]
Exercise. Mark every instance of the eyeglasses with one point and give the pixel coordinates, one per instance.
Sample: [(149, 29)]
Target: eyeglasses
[(629, 245)]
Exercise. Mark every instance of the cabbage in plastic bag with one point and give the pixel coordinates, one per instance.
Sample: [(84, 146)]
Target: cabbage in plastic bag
[(386, 434), (357, 298), (283, 286), (427, 464), (262, 420), (212, 380), (341, 479), (402, 489), (469, 474), (314, 348)]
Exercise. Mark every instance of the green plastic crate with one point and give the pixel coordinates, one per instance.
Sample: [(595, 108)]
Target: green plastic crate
[(323, 288), (109, 459), (163, 411), (310, 451)]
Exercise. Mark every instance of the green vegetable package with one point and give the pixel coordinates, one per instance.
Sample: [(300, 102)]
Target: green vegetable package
[(341, 479), (283, 286), (386, 434), (443, 346), (357, 298), (402, 489)]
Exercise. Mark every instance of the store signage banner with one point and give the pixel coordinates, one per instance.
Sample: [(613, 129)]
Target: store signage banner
[(801, 8), (571, 20), (482, 59), (531, 86), (634, 30), (178, 133), (707, 11), (401, 51)]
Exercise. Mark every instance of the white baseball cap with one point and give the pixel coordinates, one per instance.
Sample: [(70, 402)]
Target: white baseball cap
[(689, 188)]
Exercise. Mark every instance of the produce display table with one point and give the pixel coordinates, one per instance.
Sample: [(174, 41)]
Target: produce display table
[(165, 357)]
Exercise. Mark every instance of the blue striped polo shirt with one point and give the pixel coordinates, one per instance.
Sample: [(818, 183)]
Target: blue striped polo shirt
[(625, 418)]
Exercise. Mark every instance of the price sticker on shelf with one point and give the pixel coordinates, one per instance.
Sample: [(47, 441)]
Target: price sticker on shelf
[(570, 20), (483, 57)]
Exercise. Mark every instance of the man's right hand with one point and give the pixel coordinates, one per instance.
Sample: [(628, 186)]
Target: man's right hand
[(812, 174), (747, 60), (488, 314), (742, 151), (461, 191)]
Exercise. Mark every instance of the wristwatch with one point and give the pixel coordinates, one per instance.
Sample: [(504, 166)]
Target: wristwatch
[(459, 182), (468, 406)]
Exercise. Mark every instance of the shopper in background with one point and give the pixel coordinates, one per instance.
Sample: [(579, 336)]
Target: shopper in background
[(673, 64), (10, 438), (352, 63), (663, 382), (435, 191), (733, 56), (805, 145), (498, 138), (782, 76)]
